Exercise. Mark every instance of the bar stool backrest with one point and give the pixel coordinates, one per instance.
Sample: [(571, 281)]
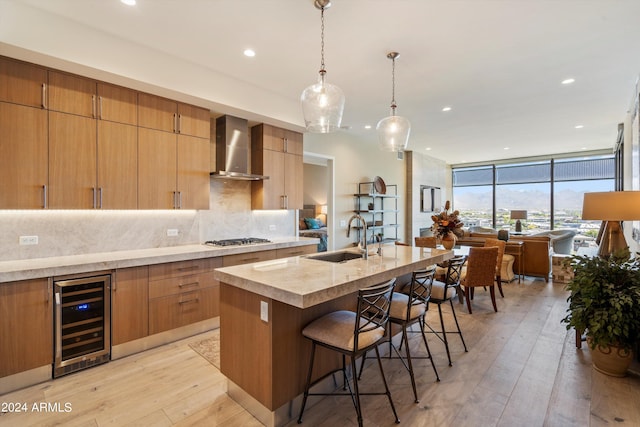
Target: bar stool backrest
[(373, 308)]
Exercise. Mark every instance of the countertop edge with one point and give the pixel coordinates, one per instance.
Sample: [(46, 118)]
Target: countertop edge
[(17, 270)]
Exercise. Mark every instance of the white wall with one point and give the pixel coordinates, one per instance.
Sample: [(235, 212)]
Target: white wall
[(356, 160)]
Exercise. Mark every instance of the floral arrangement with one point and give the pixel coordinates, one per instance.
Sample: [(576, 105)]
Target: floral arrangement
[(445, 222)]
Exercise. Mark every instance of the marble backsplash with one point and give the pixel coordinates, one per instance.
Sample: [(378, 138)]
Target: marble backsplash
[(74, 232)]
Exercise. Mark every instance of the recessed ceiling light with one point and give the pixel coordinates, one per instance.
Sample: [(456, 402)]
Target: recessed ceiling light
[(579, 126), (446, 109), (367, 126), (568, 81), (129, 2), (250, 53), (506, 148), (428, 148), (583, 148)]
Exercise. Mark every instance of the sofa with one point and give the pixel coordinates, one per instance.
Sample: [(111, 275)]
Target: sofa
[(561, 240), (537, 252)]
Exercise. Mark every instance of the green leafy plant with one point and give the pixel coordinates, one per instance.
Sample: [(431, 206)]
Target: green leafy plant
[(605, 299)]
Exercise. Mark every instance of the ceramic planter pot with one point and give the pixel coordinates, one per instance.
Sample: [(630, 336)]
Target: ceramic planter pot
[(610, 360)]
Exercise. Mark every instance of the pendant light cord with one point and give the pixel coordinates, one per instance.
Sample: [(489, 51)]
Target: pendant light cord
[(393, 86), (322, 69)]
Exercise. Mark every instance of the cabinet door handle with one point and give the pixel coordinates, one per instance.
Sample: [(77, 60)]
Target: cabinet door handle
[(179, 123), (100, 107), (286, 147), (189, 301), (282, 206), (44, 95), (93, 106), (188, 285), (179, 199), (44, 196), (248, 260), (47, 297), (100, 197), (192, 267), (286, 201), (175, 123), (94, 197)]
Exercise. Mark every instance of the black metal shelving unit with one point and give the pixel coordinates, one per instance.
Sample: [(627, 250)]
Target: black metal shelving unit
[(379, 210)]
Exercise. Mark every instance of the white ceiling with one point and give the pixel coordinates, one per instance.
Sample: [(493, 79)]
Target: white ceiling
[(498, 63)]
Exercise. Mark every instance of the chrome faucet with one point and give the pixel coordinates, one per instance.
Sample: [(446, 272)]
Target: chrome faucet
[(365, 252)]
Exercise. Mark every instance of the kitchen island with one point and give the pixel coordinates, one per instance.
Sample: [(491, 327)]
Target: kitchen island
[(264, 306)]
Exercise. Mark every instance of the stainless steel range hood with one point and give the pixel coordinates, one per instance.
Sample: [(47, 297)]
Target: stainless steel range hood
[(232, 150)]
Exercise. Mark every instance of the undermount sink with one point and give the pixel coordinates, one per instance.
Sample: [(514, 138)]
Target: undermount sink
[(343, 256)]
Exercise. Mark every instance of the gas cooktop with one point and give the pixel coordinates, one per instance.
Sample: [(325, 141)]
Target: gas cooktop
[(236, 242)]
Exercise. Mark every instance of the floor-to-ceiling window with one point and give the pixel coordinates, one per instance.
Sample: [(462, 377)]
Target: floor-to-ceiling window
[(550, 191)]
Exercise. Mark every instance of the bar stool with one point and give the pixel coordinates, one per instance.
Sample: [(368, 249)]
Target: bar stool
[(408, 309), (441, 292), (352, 334)]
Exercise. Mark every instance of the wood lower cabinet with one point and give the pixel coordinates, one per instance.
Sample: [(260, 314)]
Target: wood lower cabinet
[(276, 153), (23, 156), (246, 258), (130, 304), (26, 326), (23, 83), (181, 293), (296, 251)]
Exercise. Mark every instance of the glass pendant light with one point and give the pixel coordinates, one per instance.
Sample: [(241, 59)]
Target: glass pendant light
[(322, 102), (393, 131)]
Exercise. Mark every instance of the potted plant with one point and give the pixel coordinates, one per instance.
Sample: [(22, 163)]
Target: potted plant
[(605, 303), (447, 226)]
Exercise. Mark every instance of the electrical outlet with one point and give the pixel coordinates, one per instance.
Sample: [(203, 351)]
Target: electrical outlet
[(272, 227), (28, 240), (343, 223), (172, 232), (264, 311)]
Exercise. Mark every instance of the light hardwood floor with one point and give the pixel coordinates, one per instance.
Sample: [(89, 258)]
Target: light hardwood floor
[(522, 369)]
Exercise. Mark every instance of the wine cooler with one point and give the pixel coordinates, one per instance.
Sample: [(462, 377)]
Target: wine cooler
[(82, 323)]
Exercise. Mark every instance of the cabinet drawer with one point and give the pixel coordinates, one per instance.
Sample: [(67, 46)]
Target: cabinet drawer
[(183, 268), (176, 285), (295, 251), (230, 260), (183, 309)]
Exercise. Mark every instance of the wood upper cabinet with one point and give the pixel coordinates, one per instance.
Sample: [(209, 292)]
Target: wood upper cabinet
[(72, 94), (173, 171), (72, 162), (26, 326), (23, 83), (157, 169), (85, 97), (193, 173), (23, 157), (117, 104), (276, 153), (117, 173), (130, 304), (172, 116)]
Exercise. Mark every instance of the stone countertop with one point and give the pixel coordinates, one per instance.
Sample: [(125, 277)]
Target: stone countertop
[(74, 264), (304, 282)]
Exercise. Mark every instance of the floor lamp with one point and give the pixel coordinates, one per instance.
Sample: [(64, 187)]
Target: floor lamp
[(611, 207)]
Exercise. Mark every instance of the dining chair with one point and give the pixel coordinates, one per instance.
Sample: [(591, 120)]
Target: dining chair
[(425, 241), (481, 271), (501, 245), (446, 290), (352, 334)]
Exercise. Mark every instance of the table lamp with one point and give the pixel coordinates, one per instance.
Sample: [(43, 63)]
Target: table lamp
[(611, 207), (518, 215)]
